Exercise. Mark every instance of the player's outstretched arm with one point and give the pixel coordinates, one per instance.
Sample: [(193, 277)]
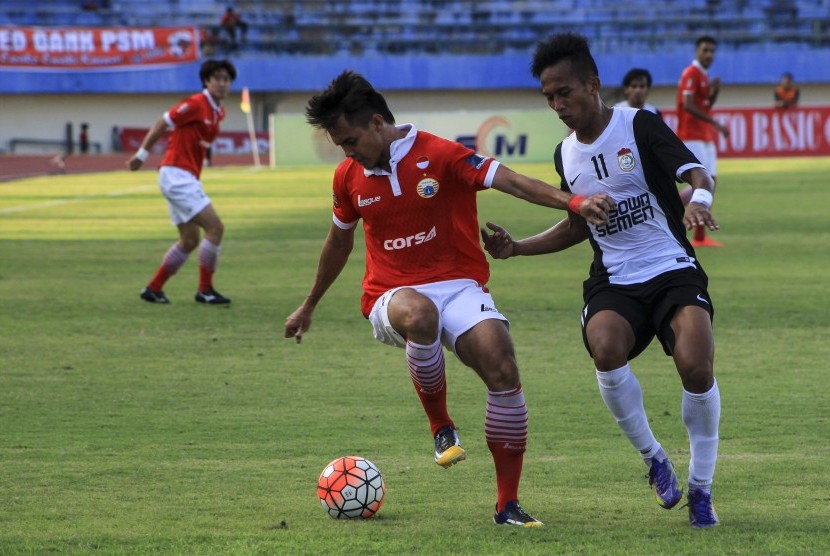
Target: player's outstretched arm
[(333, 257), (566, 233), (155, 133), (689, 106), (698, 211), (595, 208)]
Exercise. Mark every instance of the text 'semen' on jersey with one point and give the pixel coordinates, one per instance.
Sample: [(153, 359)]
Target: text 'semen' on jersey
[(195, 123), (636, 161), (420, 221), (694, 82)]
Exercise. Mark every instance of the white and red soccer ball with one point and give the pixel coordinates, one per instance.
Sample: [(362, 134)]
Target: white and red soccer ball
[(351, 487)]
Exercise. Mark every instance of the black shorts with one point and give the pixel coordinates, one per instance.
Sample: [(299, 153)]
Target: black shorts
[(650, 306)]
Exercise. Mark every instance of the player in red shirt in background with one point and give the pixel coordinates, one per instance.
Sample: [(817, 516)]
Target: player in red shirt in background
[(230, 22), (425, 268), (194, 123), (696, 94), (786, 93)]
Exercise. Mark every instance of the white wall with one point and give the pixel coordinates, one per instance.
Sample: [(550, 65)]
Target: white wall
[(45, 116)]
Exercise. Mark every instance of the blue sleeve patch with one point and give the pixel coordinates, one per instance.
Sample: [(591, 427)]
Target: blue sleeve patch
[(476, 160)]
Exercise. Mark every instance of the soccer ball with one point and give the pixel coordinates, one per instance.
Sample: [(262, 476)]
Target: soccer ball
[(351, 487)]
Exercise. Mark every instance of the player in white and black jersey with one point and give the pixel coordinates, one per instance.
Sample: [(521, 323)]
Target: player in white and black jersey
[(635, 87), (645, 280)]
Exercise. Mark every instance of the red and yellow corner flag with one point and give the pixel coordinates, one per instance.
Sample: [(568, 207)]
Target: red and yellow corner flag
[(246, 101)]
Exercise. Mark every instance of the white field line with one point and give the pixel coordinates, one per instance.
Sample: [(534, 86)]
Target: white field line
[(78, 199)]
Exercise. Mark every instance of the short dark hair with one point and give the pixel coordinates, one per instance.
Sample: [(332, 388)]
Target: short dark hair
[(787, 74), (564, 46), (349, 95), (209, 67), (705, 38), (637, 73)]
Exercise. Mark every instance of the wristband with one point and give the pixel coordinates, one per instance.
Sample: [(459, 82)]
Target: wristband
[(573, 204), (702, 197), (142, 154)]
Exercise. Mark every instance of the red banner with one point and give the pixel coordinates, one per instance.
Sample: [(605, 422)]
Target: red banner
[(770, 132), (227, 142), (96, 48)]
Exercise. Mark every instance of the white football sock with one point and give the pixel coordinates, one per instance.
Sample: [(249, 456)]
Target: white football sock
[(174, 259), (209, 255), (621, 393), (701, 414), (426, 366), (505, 420)]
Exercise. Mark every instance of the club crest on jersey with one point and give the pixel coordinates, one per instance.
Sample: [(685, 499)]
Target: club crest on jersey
[(427, 188), (422, 163), (626, 159)]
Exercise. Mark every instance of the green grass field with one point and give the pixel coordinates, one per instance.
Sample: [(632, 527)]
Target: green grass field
[(131, 428)]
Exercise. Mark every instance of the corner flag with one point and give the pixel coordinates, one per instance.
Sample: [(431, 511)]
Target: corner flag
[(246, 101), (245, 105)]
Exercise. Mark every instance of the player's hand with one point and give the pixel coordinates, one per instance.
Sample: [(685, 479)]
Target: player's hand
[(596, 208), (499, 244), (699, 215), (298, 322), (134, 163)]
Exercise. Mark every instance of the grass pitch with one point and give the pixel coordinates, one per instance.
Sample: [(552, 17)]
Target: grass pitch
[(132, 428)]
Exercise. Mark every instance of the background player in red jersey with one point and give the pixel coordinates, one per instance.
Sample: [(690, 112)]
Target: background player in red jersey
[(195, 124), (696, 94), (425, 268)]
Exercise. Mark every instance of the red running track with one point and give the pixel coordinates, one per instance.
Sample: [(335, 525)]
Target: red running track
[(15, 167)]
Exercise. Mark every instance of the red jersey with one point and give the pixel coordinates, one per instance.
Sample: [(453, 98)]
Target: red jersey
[(695, 81), (195, 122), (420, 222)]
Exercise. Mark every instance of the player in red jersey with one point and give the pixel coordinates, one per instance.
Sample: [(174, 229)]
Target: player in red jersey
[(425, 268), (195, 124), (696, 94)]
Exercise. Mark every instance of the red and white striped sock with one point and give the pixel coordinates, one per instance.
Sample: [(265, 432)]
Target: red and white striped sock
[(426, 369), (170, 265), (208, 260), (505, 428)]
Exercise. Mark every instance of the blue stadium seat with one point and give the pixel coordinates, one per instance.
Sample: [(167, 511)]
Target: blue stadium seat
[(460, 25)]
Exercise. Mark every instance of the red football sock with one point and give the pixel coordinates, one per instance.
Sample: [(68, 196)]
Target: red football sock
[(435, 406), (158, 281), (208, 259), (508, 472), (426, 368), (170, 264), (700, 233), (205, 279), (505, 428)]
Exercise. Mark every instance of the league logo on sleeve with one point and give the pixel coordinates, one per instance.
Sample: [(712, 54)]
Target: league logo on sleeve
[(476, 160), (626, 159)]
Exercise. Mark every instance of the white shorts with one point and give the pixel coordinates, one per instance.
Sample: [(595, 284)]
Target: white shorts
[(183, 192), (706, 153), (462, 304)]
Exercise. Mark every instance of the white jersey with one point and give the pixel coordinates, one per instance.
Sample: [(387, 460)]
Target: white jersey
[(650, 107), (636, 161)]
